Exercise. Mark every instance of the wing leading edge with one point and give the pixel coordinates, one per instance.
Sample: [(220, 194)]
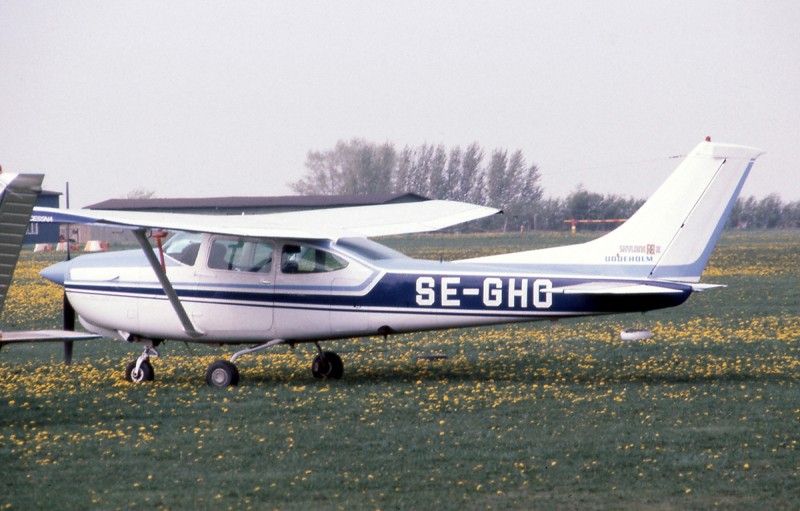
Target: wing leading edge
[(334, 223)]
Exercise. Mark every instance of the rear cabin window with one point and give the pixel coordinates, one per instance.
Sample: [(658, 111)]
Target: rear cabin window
[(306, 259), (241, 255)]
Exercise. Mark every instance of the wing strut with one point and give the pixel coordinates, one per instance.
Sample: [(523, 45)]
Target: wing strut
[(172, 296)]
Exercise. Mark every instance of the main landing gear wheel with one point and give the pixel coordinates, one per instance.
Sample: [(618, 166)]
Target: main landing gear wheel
[(222, 374), (327, 365), (145, 372)]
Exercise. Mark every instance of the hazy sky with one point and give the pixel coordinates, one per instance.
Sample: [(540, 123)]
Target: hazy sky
[(226, 98)]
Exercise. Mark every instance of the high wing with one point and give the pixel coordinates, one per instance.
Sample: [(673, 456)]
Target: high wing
[(332, 224)]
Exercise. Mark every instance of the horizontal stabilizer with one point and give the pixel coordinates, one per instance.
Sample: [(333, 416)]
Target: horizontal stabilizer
[(702, 287), (615, 288)]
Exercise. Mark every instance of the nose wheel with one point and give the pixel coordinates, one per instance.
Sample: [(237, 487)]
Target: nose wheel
[(141, 370)]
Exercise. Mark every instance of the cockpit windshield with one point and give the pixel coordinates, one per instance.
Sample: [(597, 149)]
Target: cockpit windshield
[(184, 247), (369, 249)]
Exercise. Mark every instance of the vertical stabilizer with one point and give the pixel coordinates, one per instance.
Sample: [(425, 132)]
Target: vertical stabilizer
[(672, 235), (696, 214), (18, 193)]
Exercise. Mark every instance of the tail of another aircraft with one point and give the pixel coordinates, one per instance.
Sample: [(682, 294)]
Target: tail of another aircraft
[(18, 193), (673, 233)]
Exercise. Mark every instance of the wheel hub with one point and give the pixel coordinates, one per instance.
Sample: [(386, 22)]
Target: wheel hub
[(219, 377)]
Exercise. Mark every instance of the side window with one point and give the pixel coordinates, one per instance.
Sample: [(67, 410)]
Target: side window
[(222, 254), (241, 255), (262, 257), (306, 259)]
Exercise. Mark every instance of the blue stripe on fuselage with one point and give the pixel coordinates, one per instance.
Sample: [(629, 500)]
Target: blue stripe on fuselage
[(431, 293)]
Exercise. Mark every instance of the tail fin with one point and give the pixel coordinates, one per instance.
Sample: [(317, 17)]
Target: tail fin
[(694, 224), (673, 233), (18, 193)]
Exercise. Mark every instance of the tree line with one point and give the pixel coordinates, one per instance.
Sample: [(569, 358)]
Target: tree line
[(497, 178), (500, 179), (767, 213)]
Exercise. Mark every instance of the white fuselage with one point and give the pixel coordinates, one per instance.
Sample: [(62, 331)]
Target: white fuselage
[(310, 291)]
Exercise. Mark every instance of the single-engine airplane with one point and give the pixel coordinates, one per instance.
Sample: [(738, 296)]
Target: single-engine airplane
[(261, 281)]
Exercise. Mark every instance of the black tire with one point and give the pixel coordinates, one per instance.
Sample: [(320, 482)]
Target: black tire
[(146, 372), (327, 365), (222, 374)]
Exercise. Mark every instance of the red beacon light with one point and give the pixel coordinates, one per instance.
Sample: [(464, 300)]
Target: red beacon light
[(708, 138)]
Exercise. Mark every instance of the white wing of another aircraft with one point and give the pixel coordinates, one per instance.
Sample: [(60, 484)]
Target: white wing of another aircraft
[(323, 224), (18, 193)]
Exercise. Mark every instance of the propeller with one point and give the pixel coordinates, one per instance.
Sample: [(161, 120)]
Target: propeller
[(67, 311), (68, 314)]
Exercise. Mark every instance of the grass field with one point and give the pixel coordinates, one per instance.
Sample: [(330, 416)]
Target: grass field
[(706, 415)]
